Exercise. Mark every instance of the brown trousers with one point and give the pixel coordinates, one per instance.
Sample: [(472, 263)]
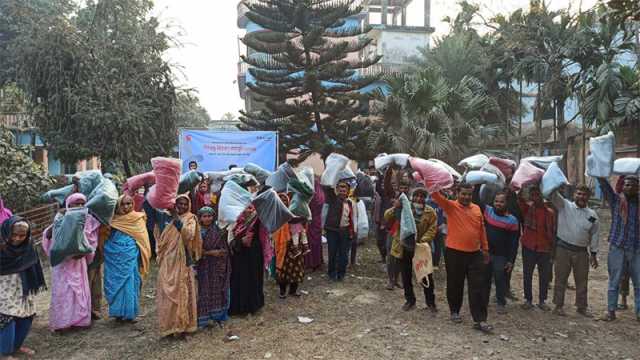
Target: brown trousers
[(566, 261)]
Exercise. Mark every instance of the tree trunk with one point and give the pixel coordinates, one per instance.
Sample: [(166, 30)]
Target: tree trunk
[(538, 117), (127, 168)]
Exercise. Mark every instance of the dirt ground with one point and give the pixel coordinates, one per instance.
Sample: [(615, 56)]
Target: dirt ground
[(359, 319)]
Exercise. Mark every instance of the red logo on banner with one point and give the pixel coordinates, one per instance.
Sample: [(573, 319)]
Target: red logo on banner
[(188, 137)]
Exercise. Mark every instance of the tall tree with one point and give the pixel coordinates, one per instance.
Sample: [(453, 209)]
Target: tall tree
[(97, 78), (189, 112), (306, 75)]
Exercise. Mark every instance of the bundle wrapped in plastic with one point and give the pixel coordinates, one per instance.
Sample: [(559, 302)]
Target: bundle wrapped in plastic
[(281, 177), (346, 174), (88, 180), (364, 187), (506, 166), (218, 176), (241, 179), (334, 164), (58, 195), (307, 175), (435, 177), (136, 182), (502, 180), (260, 174), (417, 177), (627, 166), (477, 177), (408, 228), (602, 153), (302, 194), (543, 162), (488, 193), (362, 221), (384, 161), (273, 213), (102, 201), (453, 171), (526, 174), (188, 181), (234, 199), (163, 194), (474, 162), (552, 180), (69, 239)]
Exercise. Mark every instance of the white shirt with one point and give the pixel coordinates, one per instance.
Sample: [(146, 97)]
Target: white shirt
[(576, 226)]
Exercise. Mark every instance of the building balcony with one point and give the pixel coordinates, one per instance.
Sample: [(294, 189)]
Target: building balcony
[(17, 121)]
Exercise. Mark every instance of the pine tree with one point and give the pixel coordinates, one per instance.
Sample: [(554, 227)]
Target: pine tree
[(306, 70)]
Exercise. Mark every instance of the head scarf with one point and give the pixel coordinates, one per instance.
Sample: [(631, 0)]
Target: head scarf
[(206, 210), (4, 212), (134, 224), (73, 198), (22, 259)]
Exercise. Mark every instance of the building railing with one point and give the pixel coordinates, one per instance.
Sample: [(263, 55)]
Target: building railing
[(17, 121), (384, 69)]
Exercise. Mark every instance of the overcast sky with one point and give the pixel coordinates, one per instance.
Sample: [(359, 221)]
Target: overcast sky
[(208, 55)]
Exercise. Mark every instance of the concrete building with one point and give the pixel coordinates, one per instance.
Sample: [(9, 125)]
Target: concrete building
[(25, 133)]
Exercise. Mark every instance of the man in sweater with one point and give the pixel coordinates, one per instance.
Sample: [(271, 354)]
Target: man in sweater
[(339, 229), (404, 249), (466, 255), (539, 231), (503, 231), (624, 241), (576, 248)]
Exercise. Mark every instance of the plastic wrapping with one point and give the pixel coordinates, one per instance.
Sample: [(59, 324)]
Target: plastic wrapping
[(58, 195), (543, 162), (68, 233), (273, 213), (281, 177), (384, 161), (477, 177), (362, 221), (163, 194), (552, 180), (241, 178), (234, 199), (136, 182), (627, 166), (602, 153), (452, 171), (334, 164), (260, 174), (346, 174), (475, 161), (506, 166), (502, 180), (435, 176), (408, 228), (302, 194), (307, 175), (422, 263), (526, 174), (102, 201), (188, 181), (218, 176), (88, 180), (488, 193), (364, 187)]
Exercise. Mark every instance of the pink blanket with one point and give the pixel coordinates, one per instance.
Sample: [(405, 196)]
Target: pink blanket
[(136, 182), (163, 194), (507, 166), (526, 174), (435, 177)]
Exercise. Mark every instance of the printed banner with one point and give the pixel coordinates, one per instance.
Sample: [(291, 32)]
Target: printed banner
[(216, 150)]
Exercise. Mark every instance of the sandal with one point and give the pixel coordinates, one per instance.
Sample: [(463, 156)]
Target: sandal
[(483, 326)]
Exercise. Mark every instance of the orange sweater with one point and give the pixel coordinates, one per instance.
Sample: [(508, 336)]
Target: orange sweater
[(465, 225)]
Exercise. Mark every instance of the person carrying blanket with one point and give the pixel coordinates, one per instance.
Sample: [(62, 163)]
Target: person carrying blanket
[(126, 260)]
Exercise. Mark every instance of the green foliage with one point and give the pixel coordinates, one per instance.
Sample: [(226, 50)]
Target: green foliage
[(21, 179), (189, 112), (96, 77), (307, 84)]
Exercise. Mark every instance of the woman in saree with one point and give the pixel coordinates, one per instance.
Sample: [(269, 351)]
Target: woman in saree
[(289, 267), (213, 271), (314, 260), (179, 247), (70, 293), (21, 279), (126, 260)]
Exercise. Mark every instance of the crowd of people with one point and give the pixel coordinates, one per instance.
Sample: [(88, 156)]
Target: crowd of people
[(208, 270)]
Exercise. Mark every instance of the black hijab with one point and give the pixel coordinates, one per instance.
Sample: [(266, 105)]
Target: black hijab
[(22, 259)]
